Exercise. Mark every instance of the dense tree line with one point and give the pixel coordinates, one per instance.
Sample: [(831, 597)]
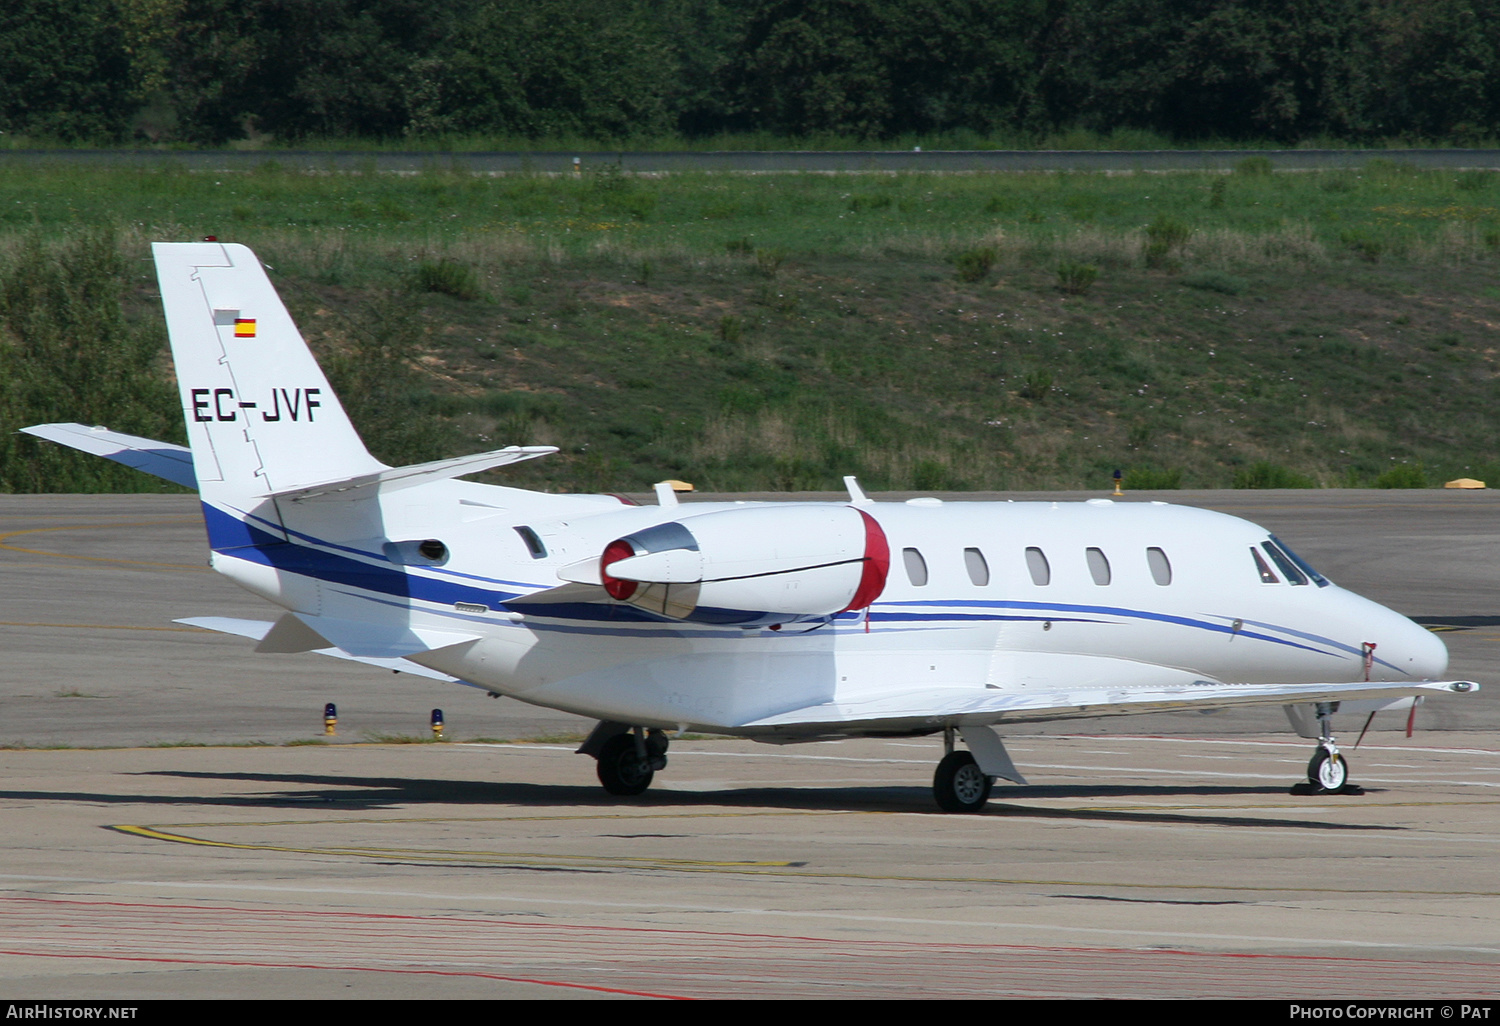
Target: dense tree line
[(208, 71)]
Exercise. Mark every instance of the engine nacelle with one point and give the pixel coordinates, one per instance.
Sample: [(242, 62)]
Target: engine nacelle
[(757, 566)]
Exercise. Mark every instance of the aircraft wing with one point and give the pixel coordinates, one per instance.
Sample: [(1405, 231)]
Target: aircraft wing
[(257, 630), (163, 459), (938, 706)]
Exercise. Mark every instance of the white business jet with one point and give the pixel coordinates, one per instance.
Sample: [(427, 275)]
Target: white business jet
[(781, 622)]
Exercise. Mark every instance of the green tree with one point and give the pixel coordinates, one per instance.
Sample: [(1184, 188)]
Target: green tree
[(1432, 69), (65, 70), (547, 68), (880, 67), (1235, 69), (702, 36), (294, 68)]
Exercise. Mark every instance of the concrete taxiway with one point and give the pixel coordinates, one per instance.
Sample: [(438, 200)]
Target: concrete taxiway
[(1152, 856)]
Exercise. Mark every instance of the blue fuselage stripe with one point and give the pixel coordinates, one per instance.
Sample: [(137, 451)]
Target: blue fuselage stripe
[(236, 538)]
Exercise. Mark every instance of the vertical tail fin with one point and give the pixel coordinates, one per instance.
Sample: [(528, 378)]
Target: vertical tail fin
[(261, 417)]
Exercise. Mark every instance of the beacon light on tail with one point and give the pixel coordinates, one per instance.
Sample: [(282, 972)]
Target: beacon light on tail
[(655, 618)]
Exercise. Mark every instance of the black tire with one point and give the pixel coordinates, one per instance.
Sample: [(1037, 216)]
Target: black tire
[(621, 770), (1328, 772), (959, 785)]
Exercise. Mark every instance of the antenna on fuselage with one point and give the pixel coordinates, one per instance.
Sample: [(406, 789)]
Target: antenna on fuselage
[(856, 493)]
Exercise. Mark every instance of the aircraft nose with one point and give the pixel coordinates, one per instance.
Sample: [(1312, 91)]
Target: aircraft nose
[(1414, 652)]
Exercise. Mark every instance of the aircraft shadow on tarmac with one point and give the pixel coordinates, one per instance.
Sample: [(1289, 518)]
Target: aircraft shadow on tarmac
[(367, 793), (1456, 623)]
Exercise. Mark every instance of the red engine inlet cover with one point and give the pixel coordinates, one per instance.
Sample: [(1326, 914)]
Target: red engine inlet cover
[(613, 553), (877, 565)]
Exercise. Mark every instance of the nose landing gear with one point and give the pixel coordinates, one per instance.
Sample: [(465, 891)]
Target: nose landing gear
[(1328, 770)]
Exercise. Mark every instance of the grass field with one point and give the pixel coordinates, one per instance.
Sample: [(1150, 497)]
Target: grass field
[(922, 331)]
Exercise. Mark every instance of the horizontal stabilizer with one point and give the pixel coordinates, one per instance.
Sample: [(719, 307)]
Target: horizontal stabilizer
[(934, 706), (380, 640), (257, 630), (421, 473), (163, 459)]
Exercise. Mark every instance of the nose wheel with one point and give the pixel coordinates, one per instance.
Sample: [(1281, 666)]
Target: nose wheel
[(1328, 770)]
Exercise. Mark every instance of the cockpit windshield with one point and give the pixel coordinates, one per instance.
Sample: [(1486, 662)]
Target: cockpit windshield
[(1300, 563)]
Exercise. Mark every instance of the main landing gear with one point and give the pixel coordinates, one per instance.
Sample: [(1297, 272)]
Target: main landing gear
[(959, 785), (628, 756), (963, 779), (1328, 770)]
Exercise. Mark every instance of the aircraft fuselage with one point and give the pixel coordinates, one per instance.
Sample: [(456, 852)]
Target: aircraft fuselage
[(1103, 596)]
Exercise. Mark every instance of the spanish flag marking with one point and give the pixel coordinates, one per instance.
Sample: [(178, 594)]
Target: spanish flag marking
[(244, 327)]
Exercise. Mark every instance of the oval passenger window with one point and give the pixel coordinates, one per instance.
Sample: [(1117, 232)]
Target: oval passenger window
[(916, 566), (979, 570), (1098, 566), (1036, 562), (1161, 568)]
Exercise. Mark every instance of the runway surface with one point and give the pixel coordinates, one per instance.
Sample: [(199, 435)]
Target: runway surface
[(1155, 856)]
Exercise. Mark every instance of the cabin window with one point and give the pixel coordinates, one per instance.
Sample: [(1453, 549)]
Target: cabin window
[(1098, 566), (979, 570), (533, 543), (916, 567), (1266, 576), (1036, 562), (1161, 567), (1301, 563), (1286, 566)]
